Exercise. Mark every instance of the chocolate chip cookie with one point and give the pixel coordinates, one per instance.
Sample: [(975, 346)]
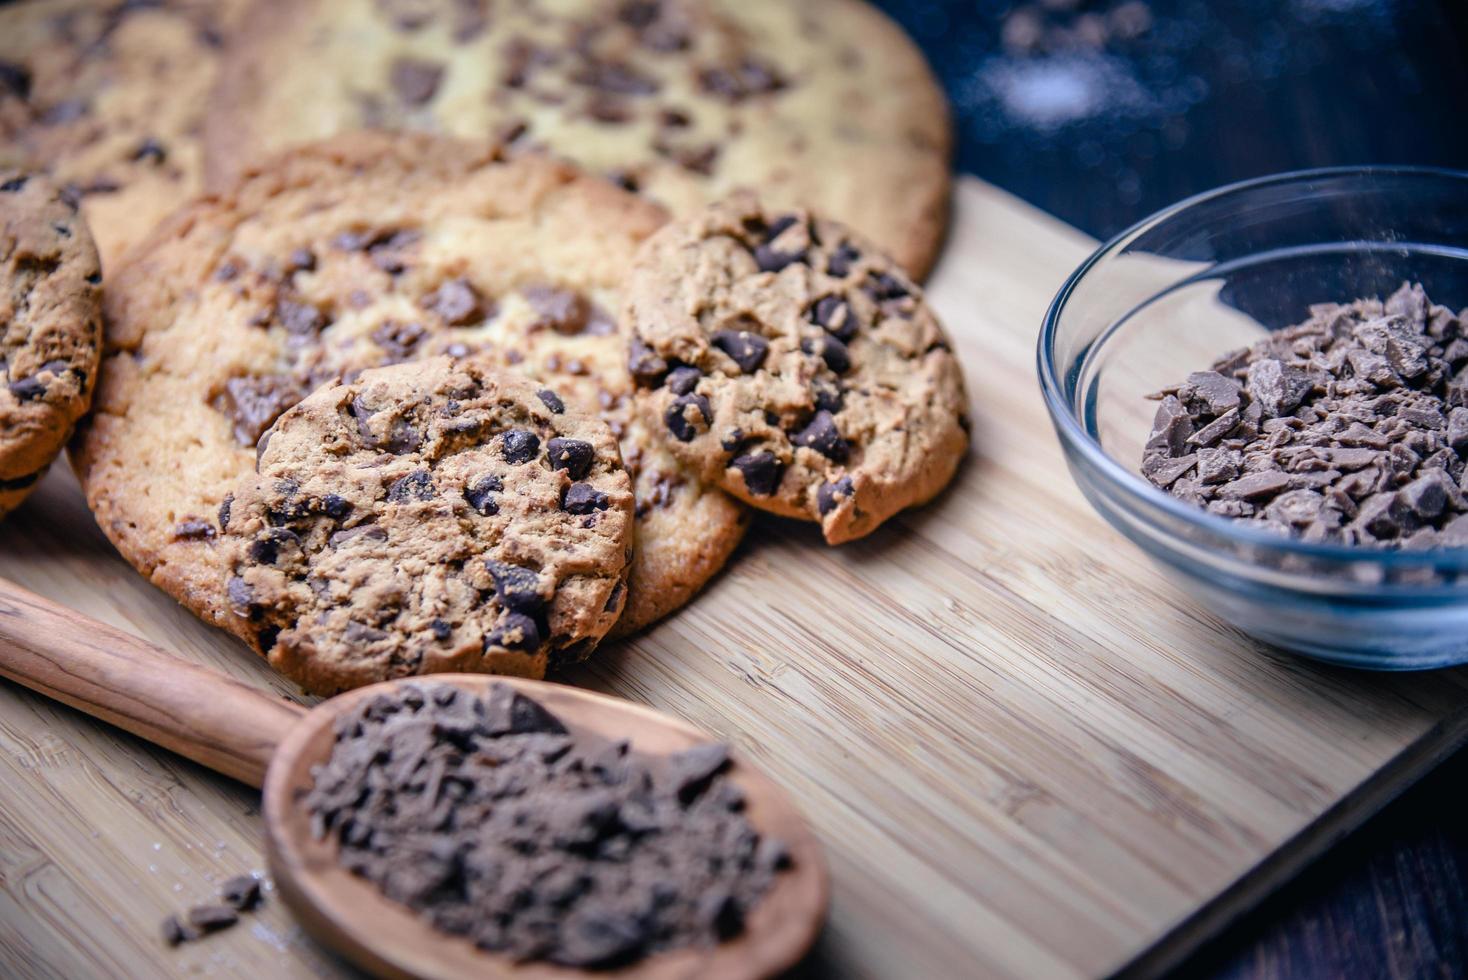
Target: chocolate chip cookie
[(427, 517), (108, 96), (362, 251), (50, 328), (821, 103), (785, 359)]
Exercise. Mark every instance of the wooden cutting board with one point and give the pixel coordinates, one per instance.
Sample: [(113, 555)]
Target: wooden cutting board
[(1028, 754)]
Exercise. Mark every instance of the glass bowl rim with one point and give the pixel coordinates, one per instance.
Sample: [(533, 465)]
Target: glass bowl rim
[(1074, 434)]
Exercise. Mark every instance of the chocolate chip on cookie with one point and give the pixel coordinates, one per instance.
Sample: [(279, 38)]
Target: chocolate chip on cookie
[(347, 565), (50, 328), (790, 362)]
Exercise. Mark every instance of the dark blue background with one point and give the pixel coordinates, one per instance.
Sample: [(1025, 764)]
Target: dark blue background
[(1243, 88)]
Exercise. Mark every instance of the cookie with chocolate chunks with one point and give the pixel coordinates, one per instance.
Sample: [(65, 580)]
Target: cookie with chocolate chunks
[(823, 103), (784, 358), (108, 97), (369, 544), (50, 328), (366, 250)]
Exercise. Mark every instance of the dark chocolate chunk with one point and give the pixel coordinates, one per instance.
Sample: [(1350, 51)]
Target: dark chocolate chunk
[(563, 310), (241, 892), (457, 302), (176, 931), (15, 78), (828, 396), (571, 455), (834, 314), (646, 367), (480, 495), (416, 80), (516, 631), (841, 260), (193, 530), (516, 586), (399, 340), (583, 498), (822, 435), (256, 402), (300, 260), (830, 350), (551, 400), (885, 286), (678, 420), (417, 485), (28, 389), (241, 595), (362, 532), (749, 78), (150, 150), (746, 348), (335, 507), (301, 319), (761, 472), (601, 940), (507, 712), (224, 509), (265, 549), (831, 495), (693, 769), (768, 258), (212, 918), (520, 446), (683, 379)]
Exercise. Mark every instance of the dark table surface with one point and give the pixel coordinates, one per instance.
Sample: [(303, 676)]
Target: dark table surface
[(1214, 91)]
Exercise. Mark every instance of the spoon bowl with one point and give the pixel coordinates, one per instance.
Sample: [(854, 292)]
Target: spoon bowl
[(272, 743), (348, 914)]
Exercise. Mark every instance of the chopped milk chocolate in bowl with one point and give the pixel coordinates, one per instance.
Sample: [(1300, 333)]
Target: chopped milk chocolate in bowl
[(493, 821), (784, 358), (427, 517), (1348, 428)]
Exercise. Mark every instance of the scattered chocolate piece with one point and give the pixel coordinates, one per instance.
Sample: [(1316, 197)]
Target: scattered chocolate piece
[(212, 918), (1346, 428), (241, 892), (491, 820)]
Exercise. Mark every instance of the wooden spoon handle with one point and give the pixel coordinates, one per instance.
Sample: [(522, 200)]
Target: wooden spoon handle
[(188, 709)]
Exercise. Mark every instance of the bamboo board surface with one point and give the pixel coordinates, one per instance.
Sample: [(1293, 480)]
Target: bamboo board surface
[(1028, 754)]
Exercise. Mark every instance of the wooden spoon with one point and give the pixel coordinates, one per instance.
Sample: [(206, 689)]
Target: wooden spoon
[(271, 743)]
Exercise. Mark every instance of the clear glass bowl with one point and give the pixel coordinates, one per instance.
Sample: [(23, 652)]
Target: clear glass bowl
[(1212, 274)]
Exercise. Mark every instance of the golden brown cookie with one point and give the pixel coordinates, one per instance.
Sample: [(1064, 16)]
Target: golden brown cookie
[(427, 517), (50, 328), (822, 103), (108, 97), (784, 358), (365, 250)]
